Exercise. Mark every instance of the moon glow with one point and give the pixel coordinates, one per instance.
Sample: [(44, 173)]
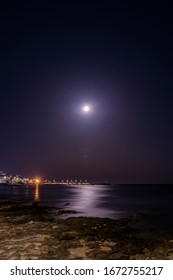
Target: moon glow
[(86, 108)]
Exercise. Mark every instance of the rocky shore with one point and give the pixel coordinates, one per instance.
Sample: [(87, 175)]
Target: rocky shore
[(30, 232)]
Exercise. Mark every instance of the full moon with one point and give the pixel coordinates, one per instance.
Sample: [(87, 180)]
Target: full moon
[(86, 108)]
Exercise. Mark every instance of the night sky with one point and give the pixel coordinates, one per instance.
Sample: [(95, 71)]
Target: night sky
[(116, 58)]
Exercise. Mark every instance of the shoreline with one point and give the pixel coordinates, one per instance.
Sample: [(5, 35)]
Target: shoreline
[(31, 232)]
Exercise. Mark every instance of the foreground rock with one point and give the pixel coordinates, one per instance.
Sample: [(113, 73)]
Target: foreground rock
[(30, 232)]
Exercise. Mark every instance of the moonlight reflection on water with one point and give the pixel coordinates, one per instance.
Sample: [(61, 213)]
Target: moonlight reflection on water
[(88, 201)]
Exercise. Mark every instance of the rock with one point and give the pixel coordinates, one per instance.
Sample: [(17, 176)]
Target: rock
[(68, 235), (31, 233), (55, 226), (146, 251)]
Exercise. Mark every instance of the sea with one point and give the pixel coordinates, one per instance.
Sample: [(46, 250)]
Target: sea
[(109, 201)]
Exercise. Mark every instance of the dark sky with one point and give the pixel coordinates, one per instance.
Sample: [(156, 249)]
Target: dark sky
[(116, 58)]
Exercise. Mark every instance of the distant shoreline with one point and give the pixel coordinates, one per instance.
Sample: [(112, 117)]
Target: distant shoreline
[(56, 183)]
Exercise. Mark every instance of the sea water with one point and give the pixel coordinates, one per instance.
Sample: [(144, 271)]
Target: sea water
[(112, 201)]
